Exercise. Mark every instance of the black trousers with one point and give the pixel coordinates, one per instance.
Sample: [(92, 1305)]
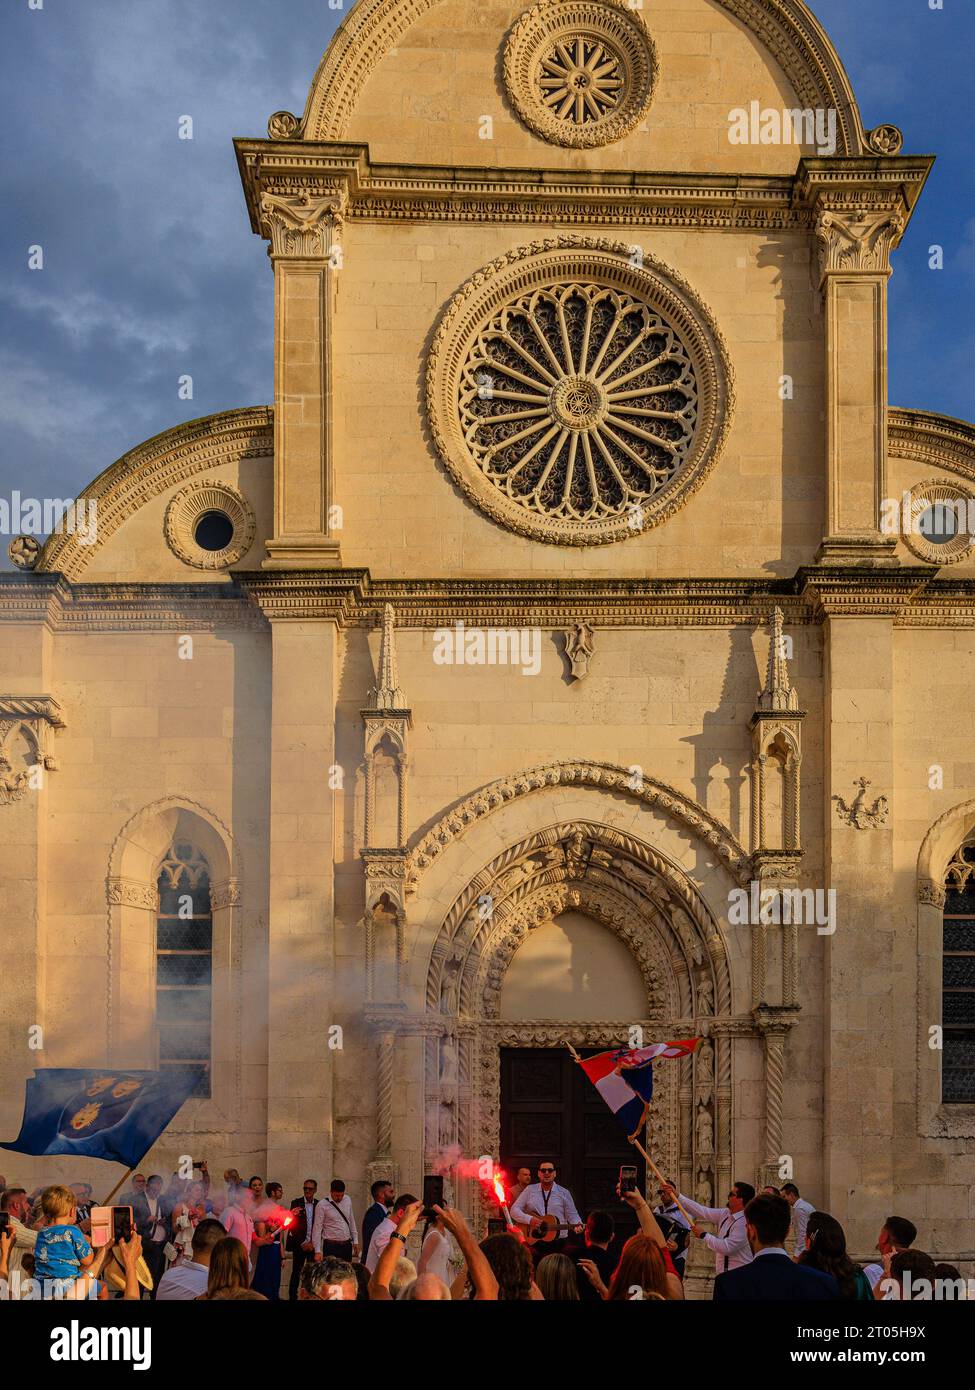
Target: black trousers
[(154, 1254), (298, 1259), (338, 1249)]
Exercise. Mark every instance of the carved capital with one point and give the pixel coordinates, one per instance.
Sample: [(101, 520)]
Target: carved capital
[(226, 894), (302, 226), (125, 892), (930, 892), (854, 241)]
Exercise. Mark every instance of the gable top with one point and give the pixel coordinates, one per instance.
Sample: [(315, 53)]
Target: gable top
[(411, 43)]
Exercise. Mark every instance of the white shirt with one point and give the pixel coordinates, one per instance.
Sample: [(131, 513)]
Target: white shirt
[(183, 1282), (24, 1241), (380, 1239), (532, 1202), (801, 1212), (435, 1255), (329, 1224), (730, 1245)]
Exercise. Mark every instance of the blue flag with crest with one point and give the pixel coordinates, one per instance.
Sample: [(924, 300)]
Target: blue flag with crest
[(112, 1113)]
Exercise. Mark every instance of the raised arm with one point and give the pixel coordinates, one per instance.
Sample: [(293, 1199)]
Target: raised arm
[(396, 1248), (482, 1275)]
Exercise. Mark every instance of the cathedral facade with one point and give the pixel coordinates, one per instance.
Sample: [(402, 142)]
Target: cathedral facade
[(578, 651)]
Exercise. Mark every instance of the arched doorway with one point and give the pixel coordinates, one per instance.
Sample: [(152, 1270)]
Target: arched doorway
[(618, 939)]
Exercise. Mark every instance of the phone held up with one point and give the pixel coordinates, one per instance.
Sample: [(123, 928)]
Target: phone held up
[(110, 1224), (627, 1179), (432, 1196)]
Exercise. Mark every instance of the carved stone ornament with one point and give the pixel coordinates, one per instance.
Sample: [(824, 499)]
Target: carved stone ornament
[(300, 225), (183, 515), (855, 241), (579, 643), (936, 522), (885, 139), (580, 73), (577, 391), (283, 126), (27, 726), (930, 893), (24, 551), (858, 814)]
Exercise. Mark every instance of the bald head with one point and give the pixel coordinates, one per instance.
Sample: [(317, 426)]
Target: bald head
[(428, 1288)]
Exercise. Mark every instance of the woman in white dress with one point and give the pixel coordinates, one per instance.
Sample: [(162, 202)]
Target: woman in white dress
[(435, 1252)]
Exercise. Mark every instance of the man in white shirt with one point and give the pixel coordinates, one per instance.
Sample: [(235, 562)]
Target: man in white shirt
[(333, 1230), (17, 1206), (547, 1198), (730, 1244), (801, 1212), (385, 1231), (188, 1279)]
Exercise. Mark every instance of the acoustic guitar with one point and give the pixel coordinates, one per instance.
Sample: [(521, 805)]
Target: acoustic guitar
[(545, 1229)]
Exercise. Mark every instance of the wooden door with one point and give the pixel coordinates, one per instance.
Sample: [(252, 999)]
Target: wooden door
[(551, 1110)]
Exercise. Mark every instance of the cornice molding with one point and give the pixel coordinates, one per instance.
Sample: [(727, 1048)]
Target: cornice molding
[(914, 596)]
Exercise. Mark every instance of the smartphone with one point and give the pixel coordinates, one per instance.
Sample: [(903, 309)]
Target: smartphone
[(627, 1179), (4, 1220), (110, 1224), (497, 1226), (432, 1196)]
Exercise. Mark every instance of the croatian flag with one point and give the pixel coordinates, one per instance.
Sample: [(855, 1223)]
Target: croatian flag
[(624, 1079)]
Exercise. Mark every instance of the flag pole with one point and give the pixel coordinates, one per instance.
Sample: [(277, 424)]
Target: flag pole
[(108, 1200)]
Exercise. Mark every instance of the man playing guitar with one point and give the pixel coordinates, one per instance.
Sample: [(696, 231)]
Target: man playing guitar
[(546, 1212)]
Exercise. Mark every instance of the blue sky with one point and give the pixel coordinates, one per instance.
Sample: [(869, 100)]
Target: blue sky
[(151, 270)]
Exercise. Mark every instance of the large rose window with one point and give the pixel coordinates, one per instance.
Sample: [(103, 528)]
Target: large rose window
[(577, 407), (578, 401)]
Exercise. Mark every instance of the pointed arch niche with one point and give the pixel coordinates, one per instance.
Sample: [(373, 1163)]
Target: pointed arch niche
[(137, 859), (548, 898)]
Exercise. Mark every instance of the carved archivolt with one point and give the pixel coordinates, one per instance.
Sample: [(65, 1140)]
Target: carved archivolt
[(935, 440), (787, 28), (575, 396), (153, 468), (581, 73), (649, 905), (605, 776)]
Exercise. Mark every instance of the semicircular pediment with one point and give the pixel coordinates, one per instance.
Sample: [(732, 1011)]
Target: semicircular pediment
[(787, 29)]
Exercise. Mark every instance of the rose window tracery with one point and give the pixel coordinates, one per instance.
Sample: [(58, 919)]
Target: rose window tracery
[(581, 80), (578, 401)]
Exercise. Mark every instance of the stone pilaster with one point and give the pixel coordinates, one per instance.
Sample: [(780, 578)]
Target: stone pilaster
[(301, 975), (306, 254)]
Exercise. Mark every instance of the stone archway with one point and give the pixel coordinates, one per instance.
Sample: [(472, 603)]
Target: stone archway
[(651, 906)]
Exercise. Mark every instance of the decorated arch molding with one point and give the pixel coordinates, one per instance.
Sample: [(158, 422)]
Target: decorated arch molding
[(786, 28), (648, 903), (605, 777), (161, 463), (938, 848), (651, 906), (934, 440)]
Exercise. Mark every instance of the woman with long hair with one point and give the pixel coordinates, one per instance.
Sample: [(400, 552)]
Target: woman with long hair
[(556, 1278), (511, 1265), (229, 1268), (646, 1269), (826, 1251)]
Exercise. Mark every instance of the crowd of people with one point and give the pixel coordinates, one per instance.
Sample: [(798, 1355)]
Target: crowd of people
[(191, 1239)]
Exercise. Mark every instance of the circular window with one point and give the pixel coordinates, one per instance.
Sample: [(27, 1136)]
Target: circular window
[(580, 73), (939, 523), (577, 395), (210, 525)]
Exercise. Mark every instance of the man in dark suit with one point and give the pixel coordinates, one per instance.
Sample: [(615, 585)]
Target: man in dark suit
[(298, 1241), (151, 1220), (772, 1276), (383, 1196)]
